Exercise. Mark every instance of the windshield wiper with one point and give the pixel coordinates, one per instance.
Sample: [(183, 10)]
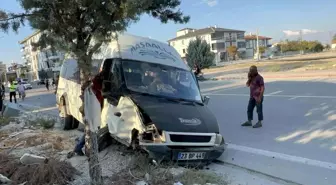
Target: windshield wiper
[(171, 99), (189, 101)]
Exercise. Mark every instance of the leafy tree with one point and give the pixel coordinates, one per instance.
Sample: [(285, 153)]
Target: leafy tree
[(232, 51), (318, 47), (199, 54), (328, 47), (262, 50), (81, 27), (334, 40), (311, 46), (22, 75)]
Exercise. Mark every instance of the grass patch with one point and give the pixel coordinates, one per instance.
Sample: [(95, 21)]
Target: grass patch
[(140, 169), (53, 172), (193, 176), (326, 65), (6, 120), (274, 68)]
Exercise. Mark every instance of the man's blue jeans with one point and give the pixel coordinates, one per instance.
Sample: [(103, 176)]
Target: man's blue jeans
[(253, 103), (80, 145)]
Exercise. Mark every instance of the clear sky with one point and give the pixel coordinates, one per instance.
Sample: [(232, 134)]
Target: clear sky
[(270, 17)]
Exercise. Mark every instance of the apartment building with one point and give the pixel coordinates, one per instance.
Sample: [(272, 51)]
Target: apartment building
[(47, 59), (251, 44), (219, 39), (3, 71)]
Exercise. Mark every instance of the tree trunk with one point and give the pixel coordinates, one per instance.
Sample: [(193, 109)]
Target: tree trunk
[(91, 146), (91, 140)]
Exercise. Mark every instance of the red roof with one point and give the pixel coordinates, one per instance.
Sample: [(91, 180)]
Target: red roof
[(254, 37)]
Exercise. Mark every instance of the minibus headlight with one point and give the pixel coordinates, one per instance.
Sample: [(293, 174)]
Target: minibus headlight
[(219, 139)]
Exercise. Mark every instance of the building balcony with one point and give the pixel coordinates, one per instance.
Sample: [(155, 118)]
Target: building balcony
[(217, 41), (217, 38)]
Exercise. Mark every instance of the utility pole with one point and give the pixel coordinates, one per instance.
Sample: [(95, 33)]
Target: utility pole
[(258, 58)]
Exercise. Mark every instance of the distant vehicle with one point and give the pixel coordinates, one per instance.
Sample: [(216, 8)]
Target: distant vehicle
[(40, 82), (24, 80), (27, 85)]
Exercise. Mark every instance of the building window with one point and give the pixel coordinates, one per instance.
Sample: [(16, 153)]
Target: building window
[(247, 44), (240, 35), (184, 51), (182, 41), (241, 45), (218, 46)]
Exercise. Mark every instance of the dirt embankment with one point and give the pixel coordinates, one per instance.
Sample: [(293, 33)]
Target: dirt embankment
[(325, 68), (34, 135)]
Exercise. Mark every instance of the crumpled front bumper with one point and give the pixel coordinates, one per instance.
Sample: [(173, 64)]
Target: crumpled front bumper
[(170, 153)]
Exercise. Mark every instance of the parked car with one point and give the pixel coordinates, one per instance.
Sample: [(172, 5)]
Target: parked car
[(27, 85), (152, 101)]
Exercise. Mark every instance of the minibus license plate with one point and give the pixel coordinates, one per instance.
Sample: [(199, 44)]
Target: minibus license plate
[(191, 155)]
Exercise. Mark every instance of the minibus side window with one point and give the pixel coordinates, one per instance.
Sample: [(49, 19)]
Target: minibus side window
[(105, 69), (73, 73), (63, 71)]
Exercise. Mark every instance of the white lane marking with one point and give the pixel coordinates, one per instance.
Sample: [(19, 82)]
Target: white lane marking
[(276, 92), (292, 158), (292, 98), (274, 95)]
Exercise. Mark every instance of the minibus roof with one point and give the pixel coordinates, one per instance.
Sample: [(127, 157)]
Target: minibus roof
[(127, 46)]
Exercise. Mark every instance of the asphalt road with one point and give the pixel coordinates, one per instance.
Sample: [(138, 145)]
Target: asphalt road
[(39, 99), (298, 139), (297, 142)]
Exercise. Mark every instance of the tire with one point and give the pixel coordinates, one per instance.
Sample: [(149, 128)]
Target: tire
[(104, 138), (68, 122), (75, 123)]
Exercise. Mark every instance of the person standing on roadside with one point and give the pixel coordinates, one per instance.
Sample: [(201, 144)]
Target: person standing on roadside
[(2, 97), (47, 84), (12, 91), (22, 91), (257, 87), (53, 82)]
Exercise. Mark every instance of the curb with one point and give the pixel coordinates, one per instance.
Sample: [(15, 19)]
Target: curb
[(14, 111)]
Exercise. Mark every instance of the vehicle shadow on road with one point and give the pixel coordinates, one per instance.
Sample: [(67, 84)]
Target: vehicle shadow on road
[(321, 128)]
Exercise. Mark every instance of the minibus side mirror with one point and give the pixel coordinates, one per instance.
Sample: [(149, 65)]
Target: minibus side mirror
[(106, 90), (206, 100)]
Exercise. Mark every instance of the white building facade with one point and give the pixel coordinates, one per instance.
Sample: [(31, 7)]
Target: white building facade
[(47, 59), (218, 38), (3, 71)]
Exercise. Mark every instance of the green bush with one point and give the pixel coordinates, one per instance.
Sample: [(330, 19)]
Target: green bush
[(46, 123)]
